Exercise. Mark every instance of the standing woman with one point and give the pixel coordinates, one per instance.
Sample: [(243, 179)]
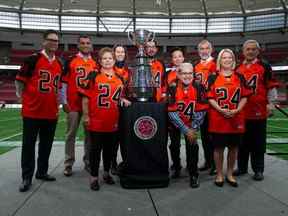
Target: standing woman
[(100, 101), (227, 95), (121, 69), (177, 58)]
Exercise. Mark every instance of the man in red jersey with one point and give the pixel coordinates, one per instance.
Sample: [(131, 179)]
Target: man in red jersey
[(203, 69), (37, 85), (259, 76), (186, 112), (157, 70), (76, 70)]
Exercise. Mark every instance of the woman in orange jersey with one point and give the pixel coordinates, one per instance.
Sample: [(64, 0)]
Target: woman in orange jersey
[(120, 66), (227, 95), (122, 70), (177, 58), (100, 113)]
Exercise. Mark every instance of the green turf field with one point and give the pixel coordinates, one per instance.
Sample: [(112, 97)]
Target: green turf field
[(11, 127)]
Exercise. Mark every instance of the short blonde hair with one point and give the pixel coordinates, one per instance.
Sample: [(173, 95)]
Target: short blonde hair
[(105, 50), (218, 65)]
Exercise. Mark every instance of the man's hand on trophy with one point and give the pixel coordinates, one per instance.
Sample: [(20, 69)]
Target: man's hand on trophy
[(124, 102)]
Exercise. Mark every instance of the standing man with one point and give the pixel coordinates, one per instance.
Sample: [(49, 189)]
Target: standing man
[(157, 70), (76, 70), (37, 85), (203, 69), (259, 77)]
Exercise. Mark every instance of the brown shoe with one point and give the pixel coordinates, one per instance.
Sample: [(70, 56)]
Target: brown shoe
[(68, 171)]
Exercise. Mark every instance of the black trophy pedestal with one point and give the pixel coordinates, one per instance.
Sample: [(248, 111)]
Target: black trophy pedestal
[(143, 134)]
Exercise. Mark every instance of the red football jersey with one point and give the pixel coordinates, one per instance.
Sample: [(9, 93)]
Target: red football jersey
[(187, 100), (103, 92), (42, 81), (203, 69), (76, 70), (259, 78), (158, 73), (227, 91)]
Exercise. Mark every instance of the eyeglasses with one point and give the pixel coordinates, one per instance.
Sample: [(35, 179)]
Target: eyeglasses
[(52, 40)]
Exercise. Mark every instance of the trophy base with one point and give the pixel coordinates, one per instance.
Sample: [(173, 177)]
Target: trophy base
[(143, 141), (141, 94)]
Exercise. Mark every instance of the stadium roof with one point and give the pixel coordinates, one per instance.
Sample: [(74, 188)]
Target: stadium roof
[(163, 16)]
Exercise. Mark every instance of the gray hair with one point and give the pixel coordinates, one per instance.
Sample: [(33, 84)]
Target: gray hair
[(251, 41)]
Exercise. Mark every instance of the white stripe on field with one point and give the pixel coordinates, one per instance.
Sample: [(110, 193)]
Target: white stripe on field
[(10, 119), (272, 126), (17, 134), (9, 137)]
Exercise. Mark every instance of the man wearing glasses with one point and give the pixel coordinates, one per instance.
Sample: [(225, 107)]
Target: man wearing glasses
[(37, 85)]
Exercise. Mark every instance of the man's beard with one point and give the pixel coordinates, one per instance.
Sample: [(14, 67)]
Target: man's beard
[(205, 56)]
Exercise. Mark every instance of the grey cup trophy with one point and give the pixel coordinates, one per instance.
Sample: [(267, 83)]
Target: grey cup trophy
[(141, 83)]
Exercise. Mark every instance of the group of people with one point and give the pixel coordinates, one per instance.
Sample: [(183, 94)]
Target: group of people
[(227, 103)]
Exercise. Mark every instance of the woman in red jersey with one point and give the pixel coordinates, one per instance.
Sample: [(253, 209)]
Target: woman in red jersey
[(227, 94), (100, 111)]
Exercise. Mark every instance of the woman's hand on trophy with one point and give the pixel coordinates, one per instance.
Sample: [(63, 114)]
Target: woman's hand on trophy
[(124, 102)]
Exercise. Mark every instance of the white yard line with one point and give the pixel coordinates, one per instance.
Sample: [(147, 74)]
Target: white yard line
[(17, 134), (272, 126), (10, 119)]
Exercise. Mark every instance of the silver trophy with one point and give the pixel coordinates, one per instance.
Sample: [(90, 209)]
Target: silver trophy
[(141, 84)]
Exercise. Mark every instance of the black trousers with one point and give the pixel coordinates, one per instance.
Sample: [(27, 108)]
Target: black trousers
[(175, 145), (32, 128), (105, 141), (115, 151), (192, 157), (206, 143), (254, 144)]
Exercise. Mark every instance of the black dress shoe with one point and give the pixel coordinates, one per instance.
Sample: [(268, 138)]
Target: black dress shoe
[(238, 172), (108, 180), (194, 182), (95, 185), (175, 174), (25, 185), (219, 183), (258, 176), (45, 177), (231, 183)]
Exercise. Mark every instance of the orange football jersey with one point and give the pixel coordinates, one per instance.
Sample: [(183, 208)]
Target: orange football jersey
[(158, 73), (227, 92), (76, 71), (42, 81), (259, 78), (203, 69), (187, 100), (103, 92)]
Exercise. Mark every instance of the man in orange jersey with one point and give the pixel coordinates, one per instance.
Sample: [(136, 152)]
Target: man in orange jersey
[(259, 76), (157, 70), (186, 112), (202, 70), (76, 70), (37, 85)]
